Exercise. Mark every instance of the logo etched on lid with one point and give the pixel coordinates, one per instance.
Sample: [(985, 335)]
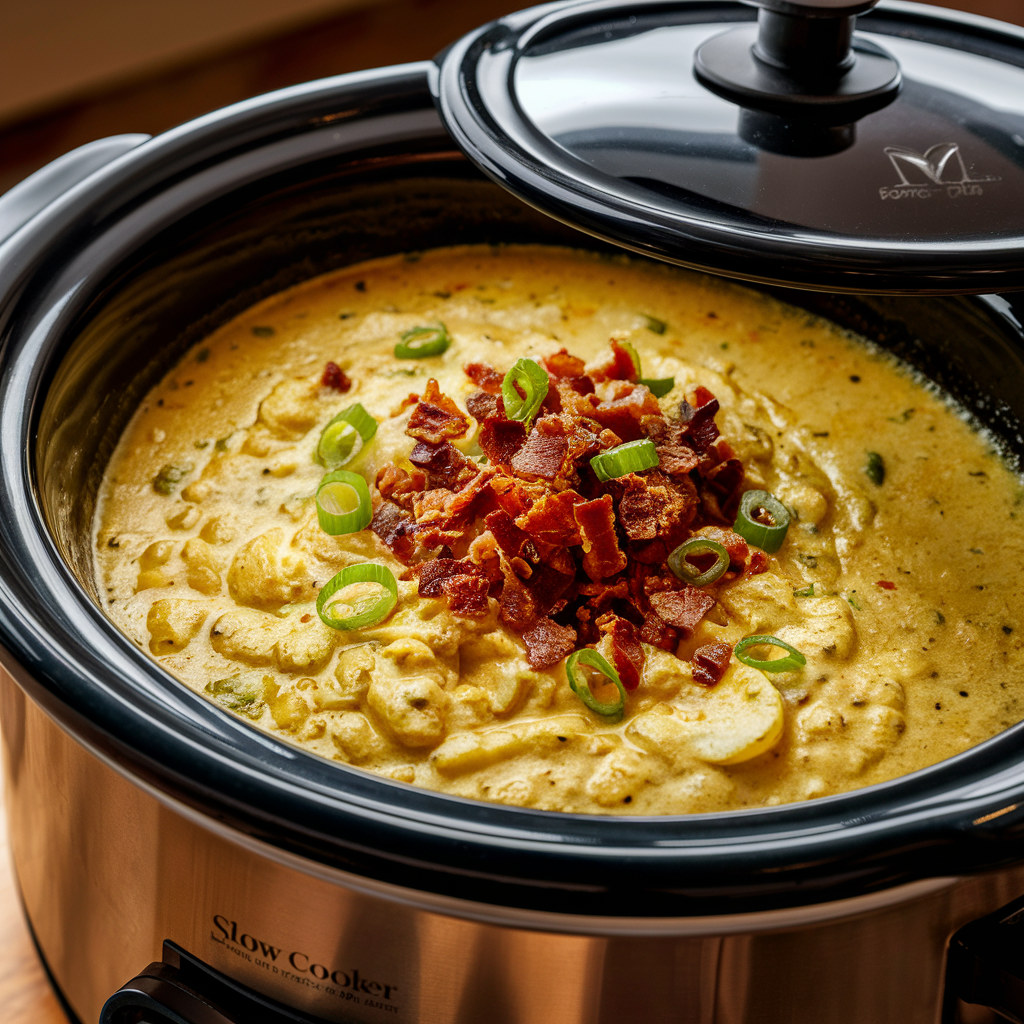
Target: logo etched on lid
[(939, 170)]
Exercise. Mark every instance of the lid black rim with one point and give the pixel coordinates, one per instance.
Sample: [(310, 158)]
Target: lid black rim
[(90, 678), (518, 156)]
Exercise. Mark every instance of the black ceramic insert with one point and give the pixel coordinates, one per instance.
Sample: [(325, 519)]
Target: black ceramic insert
[(592, 112), (103, 293)]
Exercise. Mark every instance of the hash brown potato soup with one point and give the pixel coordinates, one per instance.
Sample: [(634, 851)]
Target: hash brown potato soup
[(571, 532)]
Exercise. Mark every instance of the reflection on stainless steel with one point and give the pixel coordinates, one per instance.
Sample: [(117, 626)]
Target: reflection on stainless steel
[(108, 871)]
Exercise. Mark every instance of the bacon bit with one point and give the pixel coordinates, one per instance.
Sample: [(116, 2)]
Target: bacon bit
[(511, 539), (677, 460), (758, 563), (602, 594), (683, 608), (710, 663), (483, 551), (483, 406), (649, 508), (517, 607), (620, 367), (627, 412), (485, 377), (547, 643), (395, 529), (734, 544), (411, 399), (444, 465), (542, 455), (577, 385), (335, 377), (437, 417), (463, 582), (885, 585), (561, 364), (697, 420), (400, 486), (432, 575), (658, 633), (467, 595), (723, 490), (627, 654), (500, 440), (509, 495), (602, 556), (551, 523)]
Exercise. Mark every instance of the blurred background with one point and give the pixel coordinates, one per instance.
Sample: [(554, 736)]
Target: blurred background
[(76, 70)]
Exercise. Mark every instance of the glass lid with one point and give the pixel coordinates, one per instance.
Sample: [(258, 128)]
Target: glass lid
[(776, 145)]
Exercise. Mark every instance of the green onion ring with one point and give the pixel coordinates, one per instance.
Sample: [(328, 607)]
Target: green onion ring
[(634, 355), (631, 457), (579, 685), (794, 660), (534, 380), (343, 503), (659, 386), (688, 573), (364, 572), (422, 342), (653, 324), (767, 537), (345, 436)]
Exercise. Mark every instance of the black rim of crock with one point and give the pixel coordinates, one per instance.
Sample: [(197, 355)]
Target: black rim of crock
[(960, 815), (510, 149)]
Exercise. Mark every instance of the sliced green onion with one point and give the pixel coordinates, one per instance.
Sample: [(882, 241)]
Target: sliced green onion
[(755, 507), (422, 342), (793, 660), (367, 607), (654, 324), (533, 379), (631, 457), (579, 685), (345, 436), (343, 503), (875, 468), (660, 386), (678, 563)]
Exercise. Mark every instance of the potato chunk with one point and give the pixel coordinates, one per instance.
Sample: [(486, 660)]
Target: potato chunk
[(202, 572), (413, 707), (246, 635), (290, 410), (306, 647), (734, 721), (470, 751), (172, 623), (264, 574)]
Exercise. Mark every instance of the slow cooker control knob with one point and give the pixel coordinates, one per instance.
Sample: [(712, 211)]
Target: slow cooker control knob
[(801, 61)]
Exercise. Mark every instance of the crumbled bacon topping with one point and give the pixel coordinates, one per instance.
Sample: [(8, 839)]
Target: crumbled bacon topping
[(570, 560), (710, 663), (336, 378)]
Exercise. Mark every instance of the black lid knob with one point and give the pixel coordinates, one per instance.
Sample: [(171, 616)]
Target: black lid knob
[(801, 61)]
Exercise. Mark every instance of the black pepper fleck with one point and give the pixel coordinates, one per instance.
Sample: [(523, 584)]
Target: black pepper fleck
[(854, 378)]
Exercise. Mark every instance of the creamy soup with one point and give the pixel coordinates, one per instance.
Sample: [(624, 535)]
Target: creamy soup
[(501, 523)]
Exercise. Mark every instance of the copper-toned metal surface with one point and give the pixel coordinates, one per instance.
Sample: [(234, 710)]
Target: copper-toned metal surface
[(109, 871)]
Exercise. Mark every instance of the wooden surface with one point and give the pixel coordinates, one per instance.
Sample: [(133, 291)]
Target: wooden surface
[(390, 33), (25, 993)]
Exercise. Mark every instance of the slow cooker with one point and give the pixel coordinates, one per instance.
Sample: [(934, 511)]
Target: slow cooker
[(175, 864)]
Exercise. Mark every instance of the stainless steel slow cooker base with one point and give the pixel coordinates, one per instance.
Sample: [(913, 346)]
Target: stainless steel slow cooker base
[(109, 871)]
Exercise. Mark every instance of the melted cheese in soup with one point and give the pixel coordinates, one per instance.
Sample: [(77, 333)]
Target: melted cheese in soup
[(898, 580)]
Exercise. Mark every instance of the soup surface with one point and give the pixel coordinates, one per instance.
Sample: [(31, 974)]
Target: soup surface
[(894, 597)]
